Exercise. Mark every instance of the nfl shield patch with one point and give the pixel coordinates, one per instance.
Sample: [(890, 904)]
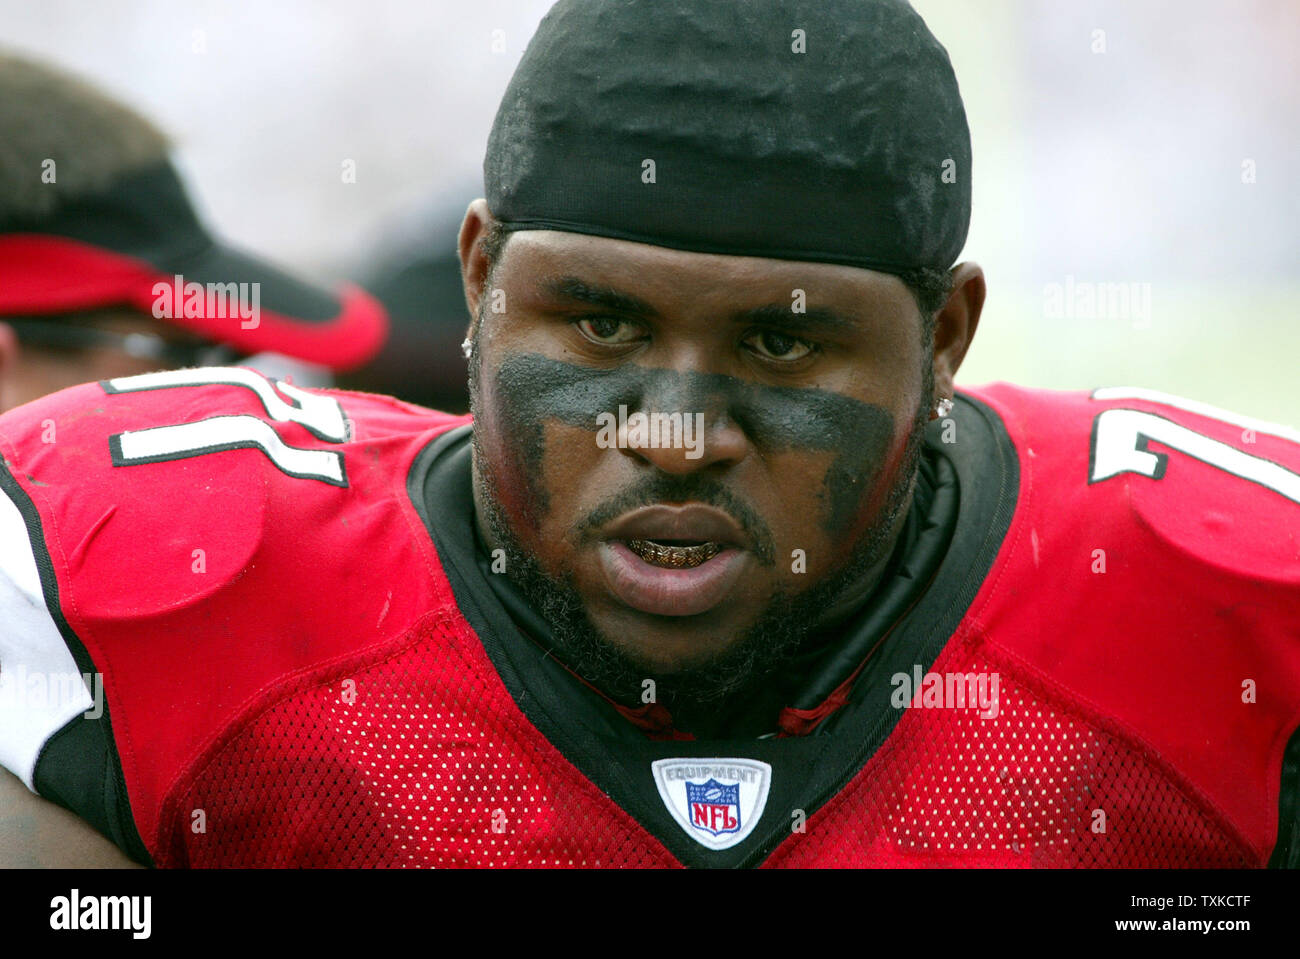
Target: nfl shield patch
[(716, 801)]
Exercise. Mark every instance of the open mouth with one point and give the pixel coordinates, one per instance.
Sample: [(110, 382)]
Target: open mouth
[(674, 560), (674, 554)]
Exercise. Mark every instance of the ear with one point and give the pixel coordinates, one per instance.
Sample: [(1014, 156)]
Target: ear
[(473, 264), (955, 324)]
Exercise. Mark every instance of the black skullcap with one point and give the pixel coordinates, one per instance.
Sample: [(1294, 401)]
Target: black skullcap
[(837, 154)]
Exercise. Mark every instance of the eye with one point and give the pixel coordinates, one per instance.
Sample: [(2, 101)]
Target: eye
[(607, 330), (779, 347)]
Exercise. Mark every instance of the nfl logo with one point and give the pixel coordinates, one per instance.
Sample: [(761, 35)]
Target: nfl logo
[(714, 807), (716, 800)]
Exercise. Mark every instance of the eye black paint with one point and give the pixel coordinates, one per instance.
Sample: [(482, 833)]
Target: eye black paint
[(534, 389)]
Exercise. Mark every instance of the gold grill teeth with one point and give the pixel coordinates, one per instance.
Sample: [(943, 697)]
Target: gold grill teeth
[(674, 557)]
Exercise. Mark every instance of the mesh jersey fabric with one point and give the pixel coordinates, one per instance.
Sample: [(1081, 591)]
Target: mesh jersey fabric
[(433, 764), (1043, 785)]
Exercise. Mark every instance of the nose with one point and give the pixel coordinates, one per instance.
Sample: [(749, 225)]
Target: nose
[(682, 441), (683, 420)]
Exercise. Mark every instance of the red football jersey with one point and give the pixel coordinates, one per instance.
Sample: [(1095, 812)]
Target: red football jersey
[(304, 662)]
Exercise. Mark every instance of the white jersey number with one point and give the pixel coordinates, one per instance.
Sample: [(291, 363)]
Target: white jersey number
[(1119, 445), (320, 415)]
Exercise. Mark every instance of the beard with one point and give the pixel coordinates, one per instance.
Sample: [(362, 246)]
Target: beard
[(787, 625)]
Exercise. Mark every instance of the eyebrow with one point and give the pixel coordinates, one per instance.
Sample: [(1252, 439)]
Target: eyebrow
[(573, 288), (813, 319)]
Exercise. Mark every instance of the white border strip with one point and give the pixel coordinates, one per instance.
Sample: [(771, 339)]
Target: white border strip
[(1201, 409), (41, 688)]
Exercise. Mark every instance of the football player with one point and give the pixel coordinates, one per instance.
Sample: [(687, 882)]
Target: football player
[(723, 571), (107, 270)]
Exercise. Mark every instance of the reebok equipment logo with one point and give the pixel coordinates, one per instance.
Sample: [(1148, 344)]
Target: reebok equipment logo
[(717, 802)]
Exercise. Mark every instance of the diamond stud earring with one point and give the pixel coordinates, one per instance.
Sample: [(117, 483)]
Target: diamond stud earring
[(943, 407), (467, 348)]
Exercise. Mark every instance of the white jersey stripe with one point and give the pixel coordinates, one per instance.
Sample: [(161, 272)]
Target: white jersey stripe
[(41, 687), (1197, 407)]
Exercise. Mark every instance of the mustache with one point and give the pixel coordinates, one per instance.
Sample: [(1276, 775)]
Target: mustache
[(668, 488)]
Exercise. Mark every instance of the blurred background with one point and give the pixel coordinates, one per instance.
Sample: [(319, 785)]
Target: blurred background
[(1136, 202)]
